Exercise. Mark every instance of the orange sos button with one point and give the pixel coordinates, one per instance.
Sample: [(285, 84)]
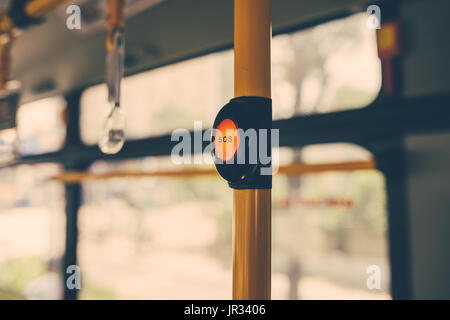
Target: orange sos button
[(226, 141)]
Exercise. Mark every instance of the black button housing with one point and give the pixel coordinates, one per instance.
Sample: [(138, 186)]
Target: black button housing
[(246, 113)]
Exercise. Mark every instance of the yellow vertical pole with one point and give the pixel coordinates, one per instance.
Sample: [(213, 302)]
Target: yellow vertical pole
[(252, 208)]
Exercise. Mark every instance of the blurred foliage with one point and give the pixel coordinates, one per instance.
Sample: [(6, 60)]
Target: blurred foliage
[(8, 295), (15, 274)]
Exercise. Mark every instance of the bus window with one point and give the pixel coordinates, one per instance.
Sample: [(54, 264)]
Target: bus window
[(329, 228), (333, 66), (32, 232), (201, 85), (170, 238), (317, 70), (41, 126), (155, 238), (8, 138)]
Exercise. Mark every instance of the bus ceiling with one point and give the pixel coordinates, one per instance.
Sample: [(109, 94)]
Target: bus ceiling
[(159, 32)]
